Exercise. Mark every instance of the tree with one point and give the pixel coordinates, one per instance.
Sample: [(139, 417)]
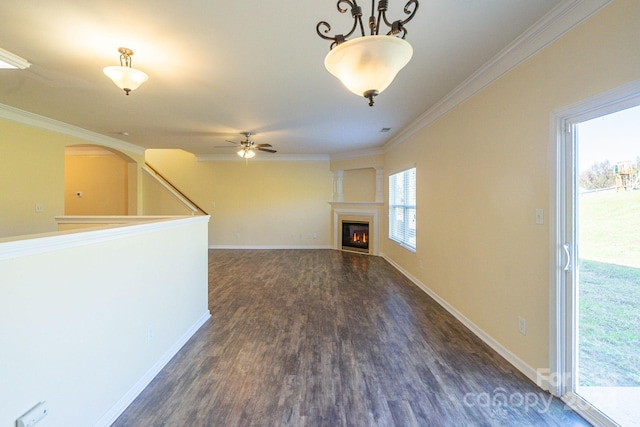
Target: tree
[(599, 175)]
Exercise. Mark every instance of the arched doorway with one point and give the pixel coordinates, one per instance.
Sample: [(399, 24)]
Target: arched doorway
[(99, 181)]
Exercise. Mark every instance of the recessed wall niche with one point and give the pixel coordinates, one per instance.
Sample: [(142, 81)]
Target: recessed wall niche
[(359, 185)]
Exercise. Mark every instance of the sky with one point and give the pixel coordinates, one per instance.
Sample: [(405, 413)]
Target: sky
[(615, 137)]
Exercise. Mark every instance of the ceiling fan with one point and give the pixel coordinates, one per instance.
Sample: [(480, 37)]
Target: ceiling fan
[(248, 147)]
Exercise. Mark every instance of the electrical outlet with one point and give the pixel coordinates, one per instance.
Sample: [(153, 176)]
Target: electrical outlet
[(522, 325), (39, 208)]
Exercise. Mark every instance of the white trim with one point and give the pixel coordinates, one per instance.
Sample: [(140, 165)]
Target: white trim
[(30, 119), (170, 189), (561, 307), (518, 363), (87, 150), (556, 220), (19, 246), (112, 219), (122, 404), (269, 247), (356, 203), (587, 411), (561, 19), (13, 61), (611, 101), (265, 158), (375, 215)]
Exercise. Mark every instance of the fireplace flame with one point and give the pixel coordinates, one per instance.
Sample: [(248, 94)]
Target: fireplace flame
[(359, 237)]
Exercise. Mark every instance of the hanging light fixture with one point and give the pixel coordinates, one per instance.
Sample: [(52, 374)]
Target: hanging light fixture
[(246, 153), (367, 65), (124, 76)]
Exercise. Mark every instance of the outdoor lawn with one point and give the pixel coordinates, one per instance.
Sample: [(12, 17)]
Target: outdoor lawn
[(609, 289)]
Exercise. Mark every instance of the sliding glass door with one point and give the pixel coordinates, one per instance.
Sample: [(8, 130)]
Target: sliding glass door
[(599, 274)]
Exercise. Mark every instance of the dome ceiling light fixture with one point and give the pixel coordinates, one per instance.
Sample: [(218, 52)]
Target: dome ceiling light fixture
[(124, 76), (246, 153), (367, 65)]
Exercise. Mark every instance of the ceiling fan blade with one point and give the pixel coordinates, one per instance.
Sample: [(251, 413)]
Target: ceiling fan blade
[(232, 142), (267, 150), (263, 145)]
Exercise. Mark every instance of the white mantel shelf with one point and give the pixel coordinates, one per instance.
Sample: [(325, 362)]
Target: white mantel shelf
[(356, 203)]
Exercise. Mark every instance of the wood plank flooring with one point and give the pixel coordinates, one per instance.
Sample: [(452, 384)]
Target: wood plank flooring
[(330, 338)]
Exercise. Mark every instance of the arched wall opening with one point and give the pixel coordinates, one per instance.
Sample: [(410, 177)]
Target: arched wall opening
[(99, 181)]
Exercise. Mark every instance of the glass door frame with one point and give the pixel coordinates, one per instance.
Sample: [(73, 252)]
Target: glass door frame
[(563, 242)]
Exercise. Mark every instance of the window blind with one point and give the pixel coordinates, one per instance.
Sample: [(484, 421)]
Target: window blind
[(402, 208)]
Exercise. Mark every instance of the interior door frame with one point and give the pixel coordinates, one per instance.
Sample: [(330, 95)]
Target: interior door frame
[(562, 211)]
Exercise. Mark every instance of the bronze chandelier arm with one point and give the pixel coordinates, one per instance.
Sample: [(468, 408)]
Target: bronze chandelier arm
[(398, 26), (356, 14)]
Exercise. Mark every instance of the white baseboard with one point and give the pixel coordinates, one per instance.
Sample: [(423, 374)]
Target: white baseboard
[(268, 247), (518, 363), (124, 402)]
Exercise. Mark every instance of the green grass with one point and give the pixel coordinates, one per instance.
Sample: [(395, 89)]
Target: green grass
[(609, 289), (609, 319), (610, 227)]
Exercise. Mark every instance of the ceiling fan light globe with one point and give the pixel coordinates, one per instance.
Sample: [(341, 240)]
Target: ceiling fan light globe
[(125, 78), (246, 153), (368, 63)]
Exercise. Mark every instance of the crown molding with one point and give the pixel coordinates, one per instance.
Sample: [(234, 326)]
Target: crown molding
[(13, 61), (560, 20), (265, 158), (30, 119), (357, 154), (87, 150)]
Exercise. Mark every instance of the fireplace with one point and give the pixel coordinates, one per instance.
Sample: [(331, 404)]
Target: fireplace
[(357, 220), (355, 236)]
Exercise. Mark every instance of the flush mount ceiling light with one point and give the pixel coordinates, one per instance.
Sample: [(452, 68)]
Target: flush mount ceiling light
[(124, 76), (367, 65), (9, 60)]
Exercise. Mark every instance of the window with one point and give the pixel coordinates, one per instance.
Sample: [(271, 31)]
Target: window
[(402, 208)]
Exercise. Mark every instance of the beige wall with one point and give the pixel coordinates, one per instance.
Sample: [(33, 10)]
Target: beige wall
[(157, 200), (32, 172), (483, 169), (255, 204), (366, 161), (103, 181), (359, 185)]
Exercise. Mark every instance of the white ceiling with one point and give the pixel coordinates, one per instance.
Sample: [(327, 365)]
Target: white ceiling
[(217, 69)]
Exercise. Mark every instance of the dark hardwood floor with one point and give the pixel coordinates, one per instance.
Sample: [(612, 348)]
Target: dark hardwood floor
[(330, 338)]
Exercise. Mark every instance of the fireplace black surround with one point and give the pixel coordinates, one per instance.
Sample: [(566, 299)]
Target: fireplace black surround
[(355, 236)]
